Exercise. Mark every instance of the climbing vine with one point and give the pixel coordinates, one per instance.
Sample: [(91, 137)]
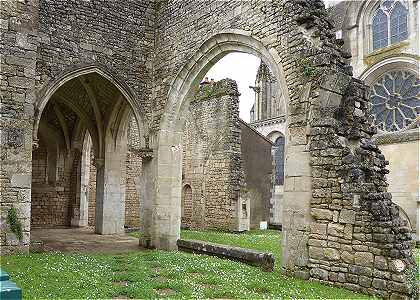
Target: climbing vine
[(15, 224)]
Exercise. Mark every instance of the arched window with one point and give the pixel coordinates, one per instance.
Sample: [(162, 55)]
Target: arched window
[(399, 28), (389, 23), (279, 160), (380, 30), (186, 206)]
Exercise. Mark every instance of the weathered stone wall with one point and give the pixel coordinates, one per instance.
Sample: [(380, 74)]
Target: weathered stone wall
[(257, 164), (326, 118), (42, 41), (303, 42), (116, 35), (212, 158), (357, 238), (132, 195), (176, 20), (55, 186), (18, 46), (51, 201), (227, 165), (352, 19)]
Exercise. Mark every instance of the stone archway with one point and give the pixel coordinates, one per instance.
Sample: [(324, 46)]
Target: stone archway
[(163, 228), (87, 103), (331, 184)]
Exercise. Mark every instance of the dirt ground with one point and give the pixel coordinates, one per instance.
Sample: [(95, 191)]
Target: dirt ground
[(81, 240)]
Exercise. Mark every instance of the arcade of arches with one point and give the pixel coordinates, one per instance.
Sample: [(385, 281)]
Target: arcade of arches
[(340, 224), (82, 171)]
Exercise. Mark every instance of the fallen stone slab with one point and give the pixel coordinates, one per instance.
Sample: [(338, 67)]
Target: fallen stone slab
[(264, 260)]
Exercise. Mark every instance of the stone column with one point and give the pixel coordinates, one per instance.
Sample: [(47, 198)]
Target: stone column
[(166, 211), (19, 22), (110, 188), (296, 205), (82, 192), (148, 193)]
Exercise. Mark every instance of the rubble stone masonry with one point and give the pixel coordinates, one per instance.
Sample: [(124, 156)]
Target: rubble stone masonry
[(340, 224), (212, 158)]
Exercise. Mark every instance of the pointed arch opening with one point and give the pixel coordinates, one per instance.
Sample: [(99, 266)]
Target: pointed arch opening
[(81, 126)]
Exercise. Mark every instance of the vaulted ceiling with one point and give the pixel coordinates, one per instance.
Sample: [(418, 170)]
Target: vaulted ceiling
[(87, 102)]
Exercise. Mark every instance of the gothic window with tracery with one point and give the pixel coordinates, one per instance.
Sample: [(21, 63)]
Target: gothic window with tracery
[(390, 23), (380, 30), (399, 30), (279, 160), (395, 100)]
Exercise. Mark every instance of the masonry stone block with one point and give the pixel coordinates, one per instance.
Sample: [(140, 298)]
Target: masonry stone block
[(319, 273), (347, 257), (347, 216), (322, 214), (379, 284), (363, 259), (331, 254), (21, 82), (397, 265), (316, 252), (335, 229), (319, 228), (21, 180), (381, 262)]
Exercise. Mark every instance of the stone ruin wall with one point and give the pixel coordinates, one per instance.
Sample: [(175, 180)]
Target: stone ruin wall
[(132, 195), (356, 256), (53, 204), (211, 158), (41, 41), (300, 33), (17, 90), (357, 239)]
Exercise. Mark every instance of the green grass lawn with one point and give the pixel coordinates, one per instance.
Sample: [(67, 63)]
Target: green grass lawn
[(160, 274)]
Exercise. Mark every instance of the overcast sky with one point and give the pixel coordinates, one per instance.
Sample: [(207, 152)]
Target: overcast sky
[(242, 68)]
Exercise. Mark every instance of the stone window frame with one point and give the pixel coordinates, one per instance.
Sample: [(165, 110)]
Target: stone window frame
[(388, 12), (273, 136), (394, 109), (364, 23), (279, 168)]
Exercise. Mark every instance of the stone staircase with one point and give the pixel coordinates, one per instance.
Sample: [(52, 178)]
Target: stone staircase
[(8, 289)]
